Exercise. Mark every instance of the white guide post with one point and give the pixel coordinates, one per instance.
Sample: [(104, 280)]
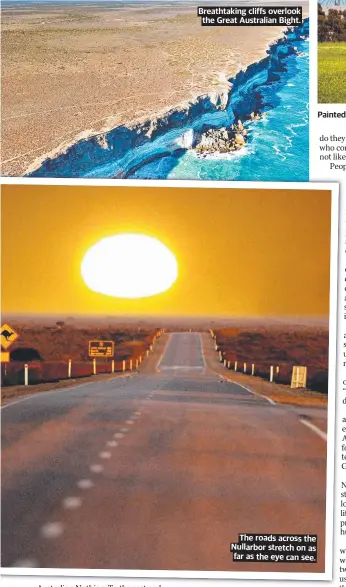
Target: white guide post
[(271, 376), (94, 366), (131, 365), (26, 374), (69, 368), (235, 365), (124, 365), (244, 367), (112, 365), (253, 369)]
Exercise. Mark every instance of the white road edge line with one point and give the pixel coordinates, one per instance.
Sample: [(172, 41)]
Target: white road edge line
[(315, 429), (46, 393), (269, 399), (312, 427), (40, 393), (202, 352), (157, 366)]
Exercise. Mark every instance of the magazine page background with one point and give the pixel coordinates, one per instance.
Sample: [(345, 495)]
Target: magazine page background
[(319, 171)]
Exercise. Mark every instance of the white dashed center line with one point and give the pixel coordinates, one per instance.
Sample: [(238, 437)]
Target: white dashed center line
[(26, 563), (55, 529), (96, 468), (105, 455), (85, 484), (52, 530), (72, 503)]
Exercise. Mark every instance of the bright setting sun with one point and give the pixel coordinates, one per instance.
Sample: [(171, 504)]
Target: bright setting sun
[(129, 266)]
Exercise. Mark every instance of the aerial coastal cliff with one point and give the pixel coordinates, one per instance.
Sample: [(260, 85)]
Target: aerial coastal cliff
[(213, 123)]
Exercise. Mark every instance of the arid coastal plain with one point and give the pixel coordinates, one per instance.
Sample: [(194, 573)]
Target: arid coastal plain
[(75, 69)]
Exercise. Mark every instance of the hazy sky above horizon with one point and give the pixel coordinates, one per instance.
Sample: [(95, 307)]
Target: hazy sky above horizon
[(240, 252)]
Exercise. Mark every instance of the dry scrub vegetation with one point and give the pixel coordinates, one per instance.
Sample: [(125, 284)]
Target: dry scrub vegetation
[(47, 348), (279, 347), (61, 342)]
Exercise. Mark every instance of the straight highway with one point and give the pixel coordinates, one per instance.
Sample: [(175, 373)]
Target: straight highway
[(157, 470)]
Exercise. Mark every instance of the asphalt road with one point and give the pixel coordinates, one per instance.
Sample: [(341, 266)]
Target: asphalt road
[(159, 470)]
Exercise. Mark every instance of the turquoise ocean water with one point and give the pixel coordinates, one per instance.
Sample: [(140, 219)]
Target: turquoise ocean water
[(278, 145)]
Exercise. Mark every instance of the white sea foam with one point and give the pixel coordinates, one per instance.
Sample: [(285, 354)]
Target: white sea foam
[(236, 154)]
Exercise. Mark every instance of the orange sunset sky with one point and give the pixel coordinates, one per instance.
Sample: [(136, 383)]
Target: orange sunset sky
[(241, 252)]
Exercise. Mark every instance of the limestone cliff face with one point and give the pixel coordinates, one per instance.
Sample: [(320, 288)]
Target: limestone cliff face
[(122, 150)]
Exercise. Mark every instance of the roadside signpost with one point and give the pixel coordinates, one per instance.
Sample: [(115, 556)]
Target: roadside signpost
[(8, 336), (101, 348), (299, 375)]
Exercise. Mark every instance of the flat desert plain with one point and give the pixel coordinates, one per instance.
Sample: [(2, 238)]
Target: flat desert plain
[(75, 69)]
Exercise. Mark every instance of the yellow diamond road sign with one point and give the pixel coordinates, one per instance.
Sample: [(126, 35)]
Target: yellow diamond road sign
[(8, 336)]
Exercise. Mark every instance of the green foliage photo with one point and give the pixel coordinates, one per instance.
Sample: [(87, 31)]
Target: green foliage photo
[(331, 56)]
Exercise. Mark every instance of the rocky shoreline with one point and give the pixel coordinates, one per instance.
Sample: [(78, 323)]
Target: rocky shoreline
[(228, 139), (223, 140)]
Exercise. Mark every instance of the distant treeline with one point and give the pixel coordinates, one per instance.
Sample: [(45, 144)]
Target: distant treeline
[(331, 25)]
